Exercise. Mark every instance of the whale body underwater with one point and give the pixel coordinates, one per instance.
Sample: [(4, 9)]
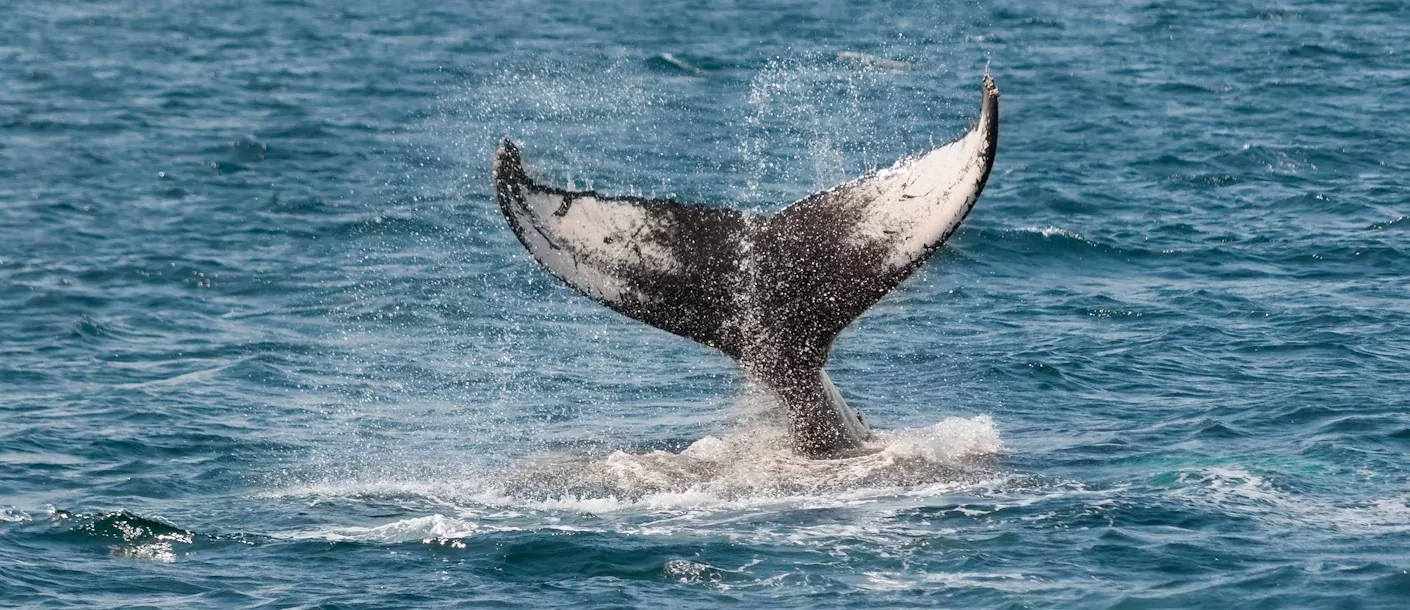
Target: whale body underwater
[(772, 292)]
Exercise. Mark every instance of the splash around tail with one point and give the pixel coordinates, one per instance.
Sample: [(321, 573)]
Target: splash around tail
[(753, 465)]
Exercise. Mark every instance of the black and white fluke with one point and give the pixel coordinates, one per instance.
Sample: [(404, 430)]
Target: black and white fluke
[(771, 292)]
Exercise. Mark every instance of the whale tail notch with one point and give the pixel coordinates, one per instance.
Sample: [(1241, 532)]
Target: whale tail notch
[(771, 292)]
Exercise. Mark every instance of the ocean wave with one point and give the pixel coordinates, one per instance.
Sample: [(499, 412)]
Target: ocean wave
[(670, 62), (1234, 490), (128, 534), (10, 514), (1001, 581), (435, 528), (1051, 243)]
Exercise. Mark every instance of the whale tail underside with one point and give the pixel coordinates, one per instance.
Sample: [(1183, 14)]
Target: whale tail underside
[(671, 265), (772, 292)]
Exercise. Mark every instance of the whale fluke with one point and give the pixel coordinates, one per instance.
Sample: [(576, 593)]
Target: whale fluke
[(771, 292)]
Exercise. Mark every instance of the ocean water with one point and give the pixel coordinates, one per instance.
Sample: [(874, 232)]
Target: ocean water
[(265, 339)]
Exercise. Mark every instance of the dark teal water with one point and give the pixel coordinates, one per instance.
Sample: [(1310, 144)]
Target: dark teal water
[(264, 338)]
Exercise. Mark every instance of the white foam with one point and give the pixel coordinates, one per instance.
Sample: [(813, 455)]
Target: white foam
[(159, 548), (947, 442), (1235, 490), (160, 552), (1049, 232), (708, 486), (712, 482), (680, 63), (13, 515), (756, 464), (867, 60), (426, 529), (900, 581)]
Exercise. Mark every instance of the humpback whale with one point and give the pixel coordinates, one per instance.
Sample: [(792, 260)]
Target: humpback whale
[(772, 292)]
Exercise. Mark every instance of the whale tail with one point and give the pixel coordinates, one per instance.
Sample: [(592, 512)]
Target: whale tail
[(771, 292)]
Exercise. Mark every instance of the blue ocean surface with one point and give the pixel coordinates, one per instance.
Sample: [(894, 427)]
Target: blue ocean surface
[(266, 340)]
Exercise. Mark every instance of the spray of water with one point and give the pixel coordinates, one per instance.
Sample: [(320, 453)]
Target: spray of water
[(456, 339)]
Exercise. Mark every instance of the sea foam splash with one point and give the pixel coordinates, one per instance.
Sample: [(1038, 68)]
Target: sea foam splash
[(749, 468), (758, 462)]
